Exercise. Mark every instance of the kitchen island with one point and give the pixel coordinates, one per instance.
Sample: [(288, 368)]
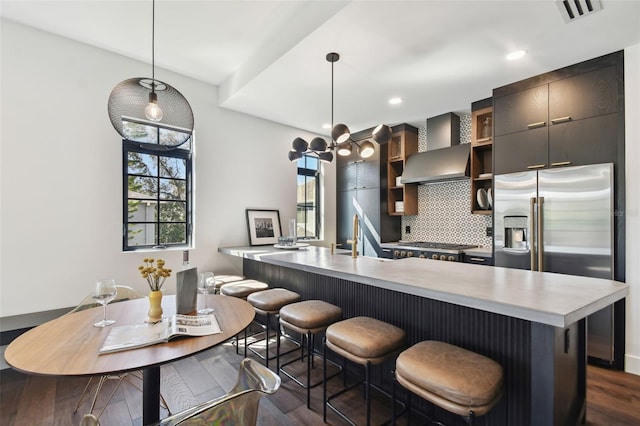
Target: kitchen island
[(532, 323)]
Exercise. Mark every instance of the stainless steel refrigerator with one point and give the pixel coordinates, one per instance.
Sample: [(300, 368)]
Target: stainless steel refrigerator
[(560, 220)]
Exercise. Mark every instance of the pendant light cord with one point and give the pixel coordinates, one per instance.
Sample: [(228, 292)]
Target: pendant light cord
[(153, 47), (332, 95)]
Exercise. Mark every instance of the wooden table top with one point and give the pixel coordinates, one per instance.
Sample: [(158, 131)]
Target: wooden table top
[(69, 345)]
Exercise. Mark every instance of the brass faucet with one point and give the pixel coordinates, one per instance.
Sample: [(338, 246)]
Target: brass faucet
[(354, 240)]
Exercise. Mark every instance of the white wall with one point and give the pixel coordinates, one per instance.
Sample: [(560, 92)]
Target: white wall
[(632, 160), (61, 165)]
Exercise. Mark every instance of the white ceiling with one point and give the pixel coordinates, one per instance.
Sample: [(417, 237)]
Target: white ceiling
[(268, 57)]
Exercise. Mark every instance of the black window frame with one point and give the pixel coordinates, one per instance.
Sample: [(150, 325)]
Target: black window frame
[(307, 172), (162, 151)]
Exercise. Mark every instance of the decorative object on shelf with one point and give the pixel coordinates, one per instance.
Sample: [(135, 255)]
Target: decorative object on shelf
[(340, 136), (486, 127), (264, 227), (155, 276), (147, 101)]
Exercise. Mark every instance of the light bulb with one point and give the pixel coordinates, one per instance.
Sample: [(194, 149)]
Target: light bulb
[(344, 150), (152, 111), (366, 150)]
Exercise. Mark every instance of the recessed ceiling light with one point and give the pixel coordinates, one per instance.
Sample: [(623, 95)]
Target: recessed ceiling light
[(395, 101), (516, 54), (326, 126)]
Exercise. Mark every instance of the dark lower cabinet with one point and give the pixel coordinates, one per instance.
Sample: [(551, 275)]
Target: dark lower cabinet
[(478, 260)]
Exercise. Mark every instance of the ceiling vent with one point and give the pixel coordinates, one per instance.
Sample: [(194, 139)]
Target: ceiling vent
[(574, 9)]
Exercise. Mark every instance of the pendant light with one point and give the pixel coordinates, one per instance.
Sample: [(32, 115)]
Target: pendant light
[(147, 101), (153, 111), (340, 134)]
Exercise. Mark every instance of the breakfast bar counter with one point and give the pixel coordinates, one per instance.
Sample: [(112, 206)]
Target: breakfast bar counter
[(532, 323)]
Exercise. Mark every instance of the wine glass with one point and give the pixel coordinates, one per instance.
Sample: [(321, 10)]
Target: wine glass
[(205, 285), (105, 292)]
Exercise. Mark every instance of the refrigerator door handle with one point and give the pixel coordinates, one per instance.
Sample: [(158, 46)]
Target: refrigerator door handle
[(540, 234), (532, 232)]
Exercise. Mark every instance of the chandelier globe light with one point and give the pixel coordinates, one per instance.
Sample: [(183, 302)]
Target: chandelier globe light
[(341, 141)]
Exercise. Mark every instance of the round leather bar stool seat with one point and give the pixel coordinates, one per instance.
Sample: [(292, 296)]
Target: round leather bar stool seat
[(270, 301), (242, 289), (310, 316), (364, 339), (453, 378), (221, 280)]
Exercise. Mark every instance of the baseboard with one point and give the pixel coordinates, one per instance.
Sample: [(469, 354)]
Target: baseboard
[(3, 363), (632, 364), (13, 326)]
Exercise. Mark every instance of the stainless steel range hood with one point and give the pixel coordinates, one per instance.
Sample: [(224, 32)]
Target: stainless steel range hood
[(445, 159)]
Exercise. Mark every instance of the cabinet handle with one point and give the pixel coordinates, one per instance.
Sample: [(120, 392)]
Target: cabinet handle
[(536, 166), (538, 124), (477, 259), (561, 163), (560, 120)]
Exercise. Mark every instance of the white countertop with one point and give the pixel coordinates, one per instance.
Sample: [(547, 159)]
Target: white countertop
[(543, 297)]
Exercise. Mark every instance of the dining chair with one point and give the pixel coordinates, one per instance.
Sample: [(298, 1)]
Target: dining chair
[(239, 407), (124, 293)]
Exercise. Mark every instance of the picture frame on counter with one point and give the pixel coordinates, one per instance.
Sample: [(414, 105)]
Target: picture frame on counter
[(263, 226)]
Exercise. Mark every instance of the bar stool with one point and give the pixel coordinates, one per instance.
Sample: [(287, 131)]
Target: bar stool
[(364, 341), (268, 303), (242, 289), (221, 280), (455, 379), (308, 318)]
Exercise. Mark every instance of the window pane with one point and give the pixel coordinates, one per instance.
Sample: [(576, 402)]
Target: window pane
[(172, 211), (142, 187), (172, 233), (143, 164), (171, 189), (310, 162), (142, 211), (307, 197), (142, 234), (140, 132), (171, 137), (173, 167)]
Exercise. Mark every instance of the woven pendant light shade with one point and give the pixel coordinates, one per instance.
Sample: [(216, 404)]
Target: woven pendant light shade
[(130, 97)]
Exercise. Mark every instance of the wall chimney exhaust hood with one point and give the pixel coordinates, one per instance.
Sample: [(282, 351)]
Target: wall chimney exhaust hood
[(445, 159)]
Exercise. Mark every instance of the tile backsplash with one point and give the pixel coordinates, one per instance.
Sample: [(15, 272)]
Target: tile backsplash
[(444, 209)]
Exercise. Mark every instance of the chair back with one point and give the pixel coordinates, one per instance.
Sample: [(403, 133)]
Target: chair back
[(124, 293), (239, 407)]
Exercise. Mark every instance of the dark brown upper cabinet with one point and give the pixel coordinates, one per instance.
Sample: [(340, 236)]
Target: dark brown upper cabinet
[(568, 117)]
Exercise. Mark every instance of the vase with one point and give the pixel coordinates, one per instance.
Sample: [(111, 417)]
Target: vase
[(155, 306)]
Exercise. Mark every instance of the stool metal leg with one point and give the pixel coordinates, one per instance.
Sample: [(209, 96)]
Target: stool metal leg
[(266, 348), (324, 379), (367, 395), (309, 366)]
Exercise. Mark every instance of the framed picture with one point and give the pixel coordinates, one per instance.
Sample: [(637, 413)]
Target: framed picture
[(264, 227)]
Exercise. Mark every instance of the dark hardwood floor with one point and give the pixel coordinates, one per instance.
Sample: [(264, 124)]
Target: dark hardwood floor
[(613, 396)]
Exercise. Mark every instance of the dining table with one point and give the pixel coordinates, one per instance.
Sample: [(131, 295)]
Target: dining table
[(70, 345)]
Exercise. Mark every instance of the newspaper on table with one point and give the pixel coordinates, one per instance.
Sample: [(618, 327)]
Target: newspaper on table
[(125, 337)]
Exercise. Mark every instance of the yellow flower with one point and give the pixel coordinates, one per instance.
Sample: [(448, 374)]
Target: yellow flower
[(155, 276)]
